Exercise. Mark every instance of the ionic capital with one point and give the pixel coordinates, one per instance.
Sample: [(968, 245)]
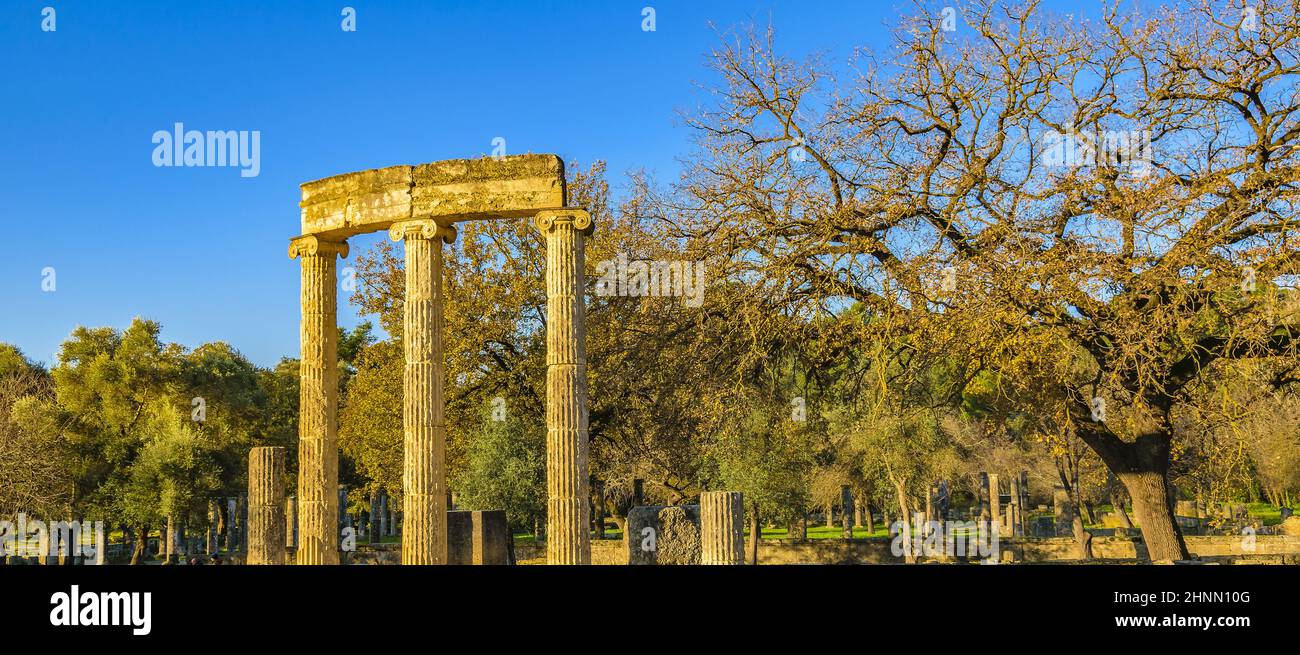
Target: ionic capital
[(421, 229), (314, 246), (547, 219)]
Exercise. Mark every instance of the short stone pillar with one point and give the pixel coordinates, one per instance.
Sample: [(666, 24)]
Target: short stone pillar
[(290, 522), (266, 525), (722, 527), (478, 538), (567, 505), (846, 511), (1063, 510), (214, 522), (232, 533), (243, 522), (1017, 517), (372, 525), (983, 493), (995, 504), (318, 447)]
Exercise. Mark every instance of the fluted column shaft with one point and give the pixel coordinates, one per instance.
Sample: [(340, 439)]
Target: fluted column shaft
[(266, 468), (568, 511), (424, 483), (318, 453), (722, 527)]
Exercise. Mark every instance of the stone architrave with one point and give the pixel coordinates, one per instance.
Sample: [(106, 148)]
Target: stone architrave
[(568, 509), (318, 450), (424, 498), (722, 527), (266, 524)]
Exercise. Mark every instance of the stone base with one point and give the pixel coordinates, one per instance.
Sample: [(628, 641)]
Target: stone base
[(479, 538), (663, 535)]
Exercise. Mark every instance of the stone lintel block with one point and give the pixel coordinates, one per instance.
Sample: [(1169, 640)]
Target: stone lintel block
[(459, 189)]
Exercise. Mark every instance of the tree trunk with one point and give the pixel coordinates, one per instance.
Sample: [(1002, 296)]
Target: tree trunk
[(1088, 513), (1154, 510), (1143, 467), (906, 520), (141, 545), (1082, 539), (871, 523), (755, 533)]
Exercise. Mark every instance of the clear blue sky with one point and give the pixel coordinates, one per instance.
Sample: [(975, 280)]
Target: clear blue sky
[(203, 250)]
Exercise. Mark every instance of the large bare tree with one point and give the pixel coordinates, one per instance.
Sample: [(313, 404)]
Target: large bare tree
[(1004, 179)]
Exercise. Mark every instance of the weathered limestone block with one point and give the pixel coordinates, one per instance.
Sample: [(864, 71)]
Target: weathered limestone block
[(1290, 527), (366, 201), (424, 493), (478, 538), (663, 535), (1063, 511), (568, 497), (318, 450), (266, 527), (506, 187), (722, 527)]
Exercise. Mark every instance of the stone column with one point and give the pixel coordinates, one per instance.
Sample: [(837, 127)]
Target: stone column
[(232, 534), (372, 524), (567, 511), (266, 468), (983, 493), (722, 527), (243, 522), (214, 520), (995, 504), (1017, 510), (1063, 511), (318, 451), (290, 522), (424, 483), (846, 511)]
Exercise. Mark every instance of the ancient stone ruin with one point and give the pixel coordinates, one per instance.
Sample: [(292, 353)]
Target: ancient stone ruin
[(420, 205)]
